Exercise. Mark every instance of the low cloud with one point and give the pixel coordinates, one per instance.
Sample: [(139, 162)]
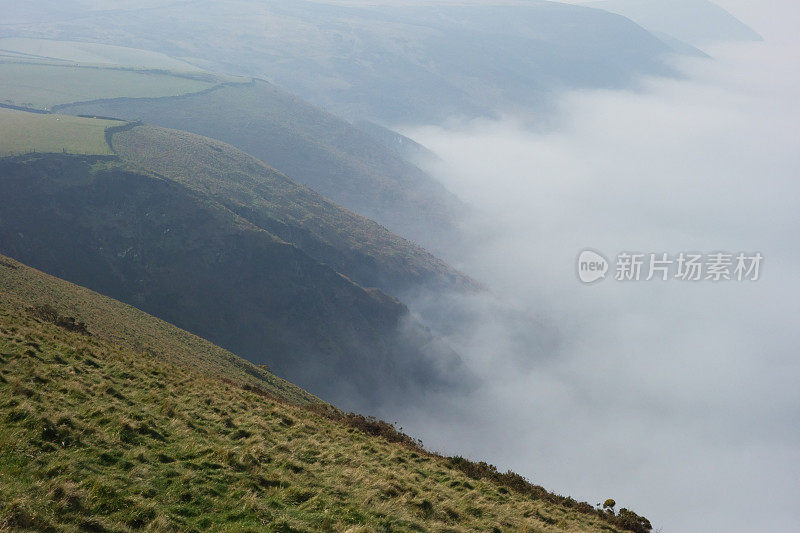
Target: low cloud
[(677, 399)]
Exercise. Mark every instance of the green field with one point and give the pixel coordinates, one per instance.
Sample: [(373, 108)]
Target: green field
[(42, 86), (90, 53), (22, 132), (106, 428)]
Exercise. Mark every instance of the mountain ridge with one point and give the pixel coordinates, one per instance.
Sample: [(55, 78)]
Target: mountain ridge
[(348, 59), (313, 147), (180, 255), (251, 189), (697, 22)]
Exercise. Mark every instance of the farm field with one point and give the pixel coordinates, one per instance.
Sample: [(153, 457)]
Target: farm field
[(22, 132), (42, 86), (90, 53)]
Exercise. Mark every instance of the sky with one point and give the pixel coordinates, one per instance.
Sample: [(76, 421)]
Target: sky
[(677, 399)]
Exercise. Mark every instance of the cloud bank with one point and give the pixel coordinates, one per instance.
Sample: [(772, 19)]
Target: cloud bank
[(679, 400)]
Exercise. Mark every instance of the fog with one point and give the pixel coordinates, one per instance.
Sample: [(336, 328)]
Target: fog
[(677, 399)]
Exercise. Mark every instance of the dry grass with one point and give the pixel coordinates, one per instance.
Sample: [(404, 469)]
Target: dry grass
[(98, 435), (101, 438)]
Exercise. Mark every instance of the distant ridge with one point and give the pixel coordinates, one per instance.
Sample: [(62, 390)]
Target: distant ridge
[(697, 22)]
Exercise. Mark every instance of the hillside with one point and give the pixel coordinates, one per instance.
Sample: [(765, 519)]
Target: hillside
[(112, 426), (359, 248), (323, 152), (206, 237), (354, 168), (26, 291), (391, 62), (184, 257), (353, 245)]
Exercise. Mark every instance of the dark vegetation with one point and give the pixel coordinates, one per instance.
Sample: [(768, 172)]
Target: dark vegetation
[(626, 519), (48, 313), (182, 255), (30, 291), (353, 245), (26, 109), (101, 118), (111, 130)]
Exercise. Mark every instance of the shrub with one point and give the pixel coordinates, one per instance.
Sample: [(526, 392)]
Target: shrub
[(633, 522), (48, 313)]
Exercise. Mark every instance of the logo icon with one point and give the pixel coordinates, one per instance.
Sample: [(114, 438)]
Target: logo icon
[(592, 266)]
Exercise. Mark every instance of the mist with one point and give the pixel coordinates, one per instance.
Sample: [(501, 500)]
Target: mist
[(677, 399)]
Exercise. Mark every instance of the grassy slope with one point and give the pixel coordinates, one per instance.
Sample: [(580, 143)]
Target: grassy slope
[(131, 329), (42, 86), (314, 148), (22, 132), (359, 248), (102, 435)]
